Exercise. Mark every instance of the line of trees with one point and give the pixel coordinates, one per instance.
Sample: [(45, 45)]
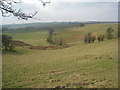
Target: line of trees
[(89, 38)]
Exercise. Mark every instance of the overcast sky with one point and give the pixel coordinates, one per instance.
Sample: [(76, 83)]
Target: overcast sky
[(67, 10)]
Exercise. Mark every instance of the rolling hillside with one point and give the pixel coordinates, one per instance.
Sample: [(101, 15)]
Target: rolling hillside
[(82, 65)]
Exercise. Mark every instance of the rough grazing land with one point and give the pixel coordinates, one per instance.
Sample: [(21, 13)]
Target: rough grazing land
[(79, 66)]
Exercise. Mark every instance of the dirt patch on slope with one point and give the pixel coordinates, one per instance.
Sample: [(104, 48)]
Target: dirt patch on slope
[(53, 47), (47, 47)]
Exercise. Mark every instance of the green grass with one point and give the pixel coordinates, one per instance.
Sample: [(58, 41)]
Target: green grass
[(92, 65), (34, 38), (77, 33)]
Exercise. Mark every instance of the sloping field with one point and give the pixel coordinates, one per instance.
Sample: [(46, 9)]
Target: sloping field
[(32, 37), (69, 35), (77, 33), (92, 65)]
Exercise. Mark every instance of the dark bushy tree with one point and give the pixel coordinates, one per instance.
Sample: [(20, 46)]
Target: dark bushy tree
[(110, 33), (89, 38), (7, 43), (118, 35), (50, 36), (101, 37), (82, 24), (93, 38)]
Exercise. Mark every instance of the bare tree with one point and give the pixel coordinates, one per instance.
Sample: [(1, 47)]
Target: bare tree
[(6, 8)]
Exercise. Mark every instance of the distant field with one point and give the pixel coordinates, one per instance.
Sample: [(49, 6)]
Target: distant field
[(92, 65), (68, 34)]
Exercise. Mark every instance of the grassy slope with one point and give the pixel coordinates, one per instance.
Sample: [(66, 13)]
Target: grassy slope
[(68, 34), (89, 65), (77, 33), (34, 38)]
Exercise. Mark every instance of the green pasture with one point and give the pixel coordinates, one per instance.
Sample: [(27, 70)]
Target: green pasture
[(82, 65)]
